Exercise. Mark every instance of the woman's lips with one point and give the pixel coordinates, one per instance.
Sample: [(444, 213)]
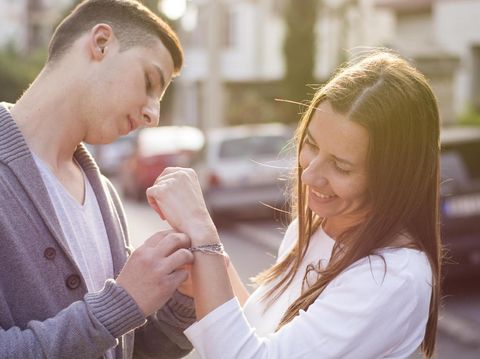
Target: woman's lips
[(322, 195), (321, 198)]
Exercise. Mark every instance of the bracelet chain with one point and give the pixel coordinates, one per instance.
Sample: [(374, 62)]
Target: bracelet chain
[(215, 248)]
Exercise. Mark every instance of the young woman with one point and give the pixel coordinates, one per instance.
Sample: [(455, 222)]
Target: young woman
[(358, 270)]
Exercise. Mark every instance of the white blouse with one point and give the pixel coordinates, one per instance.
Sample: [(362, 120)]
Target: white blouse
[(374, 309)]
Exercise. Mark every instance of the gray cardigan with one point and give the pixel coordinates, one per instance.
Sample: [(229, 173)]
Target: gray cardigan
[(45, 310)]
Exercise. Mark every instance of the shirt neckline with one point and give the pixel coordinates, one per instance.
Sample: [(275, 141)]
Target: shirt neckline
[(47, 168)]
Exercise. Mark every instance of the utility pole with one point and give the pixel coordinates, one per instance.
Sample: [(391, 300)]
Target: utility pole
[(213, 97), (34, 26)]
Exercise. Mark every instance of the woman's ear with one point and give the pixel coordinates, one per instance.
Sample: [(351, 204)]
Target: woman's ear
[(100, 36)]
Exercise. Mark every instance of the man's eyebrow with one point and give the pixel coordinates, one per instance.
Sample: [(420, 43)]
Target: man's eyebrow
[(160, 75)]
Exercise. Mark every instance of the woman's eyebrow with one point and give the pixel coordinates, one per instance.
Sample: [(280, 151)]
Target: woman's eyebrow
[(339, 159), (310, 137), (343, 160)]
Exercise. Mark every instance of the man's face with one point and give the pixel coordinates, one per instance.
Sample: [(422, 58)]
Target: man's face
[(127, 90)]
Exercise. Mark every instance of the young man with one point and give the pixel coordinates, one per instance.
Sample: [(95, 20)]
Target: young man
[(63, 232)]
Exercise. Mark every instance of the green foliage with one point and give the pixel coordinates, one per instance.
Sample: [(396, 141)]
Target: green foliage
[(253, 103), (153, 6), (299, 45), (66, 10), (470, 116), (17, 72), (299, 49)]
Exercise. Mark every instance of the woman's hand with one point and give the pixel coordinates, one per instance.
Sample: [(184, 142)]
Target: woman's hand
[(177, 197), (186, 287)]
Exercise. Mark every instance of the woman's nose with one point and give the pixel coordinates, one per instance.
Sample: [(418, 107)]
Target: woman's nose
[(313, 174)]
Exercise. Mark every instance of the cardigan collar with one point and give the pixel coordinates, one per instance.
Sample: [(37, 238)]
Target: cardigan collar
[(15, 153)]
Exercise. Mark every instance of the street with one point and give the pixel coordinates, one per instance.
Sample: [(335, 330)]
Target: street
[(252, 248)]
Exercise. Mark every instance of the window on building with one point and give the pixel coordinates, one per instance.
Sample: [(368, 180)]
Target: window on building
[(277, 7), (230, 27), (228, 24), (476, 76)]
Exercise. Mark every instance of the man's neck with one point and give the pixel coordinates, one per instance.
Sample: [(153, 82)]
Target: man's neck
[(47, 117)]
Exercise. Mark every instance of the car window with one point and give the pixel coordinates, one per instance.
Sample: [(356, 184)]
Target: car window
[(251, 147), (169, 139), (198, 157), (460, 165)]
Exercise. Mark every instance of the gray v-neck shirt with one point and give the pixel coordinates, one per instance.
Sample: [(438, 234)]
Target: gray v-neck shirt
[(84, 230), (83, 227)]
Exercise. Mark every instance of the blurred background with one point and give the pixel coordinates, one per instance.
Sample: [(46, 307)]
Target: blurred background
[(250, 65)]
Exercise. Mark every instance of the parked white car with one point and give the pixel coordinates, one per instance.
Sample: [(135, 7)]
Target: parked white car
[(244, 169)]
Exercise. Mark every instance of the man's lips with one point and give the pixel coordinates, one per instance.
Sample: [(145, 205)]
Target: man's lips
[(131, 124)]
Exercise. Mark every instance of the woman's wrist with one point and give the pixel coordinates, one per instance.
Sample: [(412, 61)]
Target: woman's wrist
[(204, 235)]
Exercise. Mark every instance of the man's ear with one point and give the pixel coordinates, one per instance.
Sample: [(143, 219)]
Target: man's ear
[(100, 37)]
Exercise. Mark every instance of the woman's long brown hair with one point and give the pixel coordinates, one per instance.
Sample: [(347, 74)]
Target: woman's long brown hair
[(394, 102)]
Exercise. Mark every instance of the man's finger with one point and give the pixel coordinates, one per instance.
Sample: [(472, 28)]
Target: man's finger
[(178, 277), (157, 238), (178, 259), (173, 242)]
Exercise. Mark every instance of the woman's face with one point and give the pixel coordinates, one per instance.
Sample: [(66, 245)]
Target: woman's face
[(334, 163)]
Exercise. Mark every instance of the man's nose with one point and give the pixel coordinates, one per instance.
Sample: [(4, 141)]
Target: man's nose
[(151, 113)]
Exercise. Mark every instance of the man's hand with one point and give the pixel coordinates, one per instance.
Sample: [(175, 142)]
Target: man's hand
[(154, 270)]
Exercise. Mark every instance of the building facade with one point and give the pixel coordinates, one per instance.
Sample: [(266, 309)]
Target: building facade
[(443, 38), (234, 49), (26, 25), (249, 59)]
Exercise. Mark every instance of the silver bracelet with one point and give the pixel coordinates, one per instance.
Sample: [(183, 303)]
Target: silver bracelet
[(215, 248)]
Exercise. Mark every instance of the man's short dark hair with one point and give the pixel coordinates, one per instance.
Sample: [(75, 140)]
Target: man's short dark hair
[(133, 24)]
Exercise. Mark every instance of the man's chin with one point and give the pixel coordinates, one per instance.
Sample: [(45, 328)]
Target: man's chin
[(101, 140)]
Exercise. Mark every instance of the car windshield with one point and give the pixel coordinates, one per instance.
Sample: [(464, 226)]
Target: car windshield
[(169, 139), (251, 147)]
